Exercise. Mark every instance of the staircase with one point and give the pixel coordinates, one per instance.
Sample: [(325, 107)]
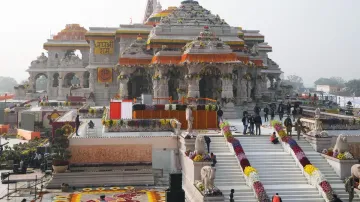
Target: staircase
[(278, 171), (318, 161), (228, 173)]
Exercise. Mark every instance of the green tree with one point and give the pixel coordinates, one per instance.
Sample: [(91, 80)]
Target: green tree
[(333, 81), (353, 86), (7, 84)]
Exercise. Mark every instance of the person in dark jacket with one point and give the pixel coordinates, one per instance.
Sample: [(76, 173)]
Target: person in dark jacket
[(272, 113), (294, 113), (213, 158), (288, 108), (288, 124), (258, 123), (266, 113), (257, 109), (252, 124), (77, 124), (245, 121), (336, 199), (219, 116), (281, 111), (207, 141), (300, 111)]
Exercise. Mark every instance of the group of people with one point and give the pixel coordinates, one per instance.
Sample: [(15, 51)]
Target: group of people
[(212, 155), (252, 122)]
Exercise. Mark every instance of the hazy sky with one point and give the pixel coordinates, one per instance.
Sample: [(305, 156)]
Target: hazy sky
[(310, 38)]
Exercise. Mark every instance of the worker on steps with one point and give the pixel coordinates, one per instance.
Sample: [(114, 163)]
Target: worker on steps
[(276, 198)]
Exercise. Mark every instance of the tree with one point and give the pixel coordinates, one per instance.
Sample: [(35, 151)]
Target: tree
[(333, 81), (296, 81), (353, 86), (7, 84)]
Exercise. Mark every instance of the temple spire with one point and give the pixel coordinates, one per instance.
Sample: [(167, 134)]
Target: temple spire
[(150, 8)]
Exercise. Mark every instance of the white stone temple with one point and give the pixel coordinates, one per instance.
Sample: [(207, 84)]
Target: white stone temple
[(183, 51)]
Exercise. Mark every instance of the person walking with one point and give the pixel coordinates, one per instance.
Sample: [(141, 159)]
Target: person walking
[(272, 113), (245, 122), (207, 141), (294, 113), (77, 124), (276, 198), (252, 124), (298, 128), (257, 109), (266, 113), (288, 124), (288, 108), (213, 158), (219, 116), (258, 123), (349, 187), (281, 111)]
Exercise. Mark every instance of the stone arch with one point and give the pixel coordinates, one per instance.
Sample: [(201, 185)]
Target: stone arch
[(70, 79), (210, 84), (40, 84), (86, 81), (55, 80), (175, 75), (139, 82)]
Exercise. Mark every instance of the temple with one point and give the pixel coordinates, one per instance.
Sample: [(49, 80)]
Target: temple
[(176, 53)]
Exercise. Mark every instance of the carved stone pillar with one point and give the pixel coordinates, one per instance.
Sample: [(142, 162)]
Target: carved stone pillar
[(271, 79), (182, 90), (227, 89), (60, 87), (91, 79), (249, 88), (277, 83), (49, 83), (193, 88), (123, 87), (107, 93), (258, 88), (264, 84)]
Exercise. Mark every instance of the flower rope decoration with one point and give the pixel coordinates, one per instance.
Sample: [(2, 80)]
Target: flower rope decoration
[(314, 175), (250, 173)]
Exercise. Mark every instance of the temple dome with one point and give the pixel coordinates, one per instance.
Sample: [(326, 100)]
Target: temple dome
[(158, 13), (71, 32)]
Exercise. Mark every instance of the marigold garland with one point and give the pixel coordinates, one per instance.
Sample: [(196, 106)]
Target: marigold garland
[(248, 170)]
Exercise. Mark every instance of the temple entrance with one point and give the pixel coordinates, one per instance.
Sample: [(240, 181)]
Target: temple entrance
[(210, 84), (70, 79), (139, 83), (175, 76), (40, 82), (55, 80)]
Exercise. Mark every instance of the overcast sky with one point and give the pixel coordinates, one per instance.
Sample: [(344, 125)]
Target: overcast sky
[(310, 38)]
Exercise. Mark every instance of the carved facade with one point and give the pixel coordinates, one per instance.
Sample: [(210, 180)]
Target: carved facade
[(183, 51)]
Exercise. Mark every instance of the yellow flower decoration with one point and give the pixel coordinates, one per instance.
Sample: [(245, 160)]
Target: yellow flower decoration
[(129, 188), (115, 188), (248, 170), (309, 169), (282, 133), (87, 189), (227, 134), (100, 188), (61, 197), (163, 121), (198, 158), (341, 156), (61, 200)]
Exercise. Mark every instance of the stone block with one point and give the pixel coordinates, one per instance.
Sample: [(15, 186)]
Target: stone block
[(341, 167)]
